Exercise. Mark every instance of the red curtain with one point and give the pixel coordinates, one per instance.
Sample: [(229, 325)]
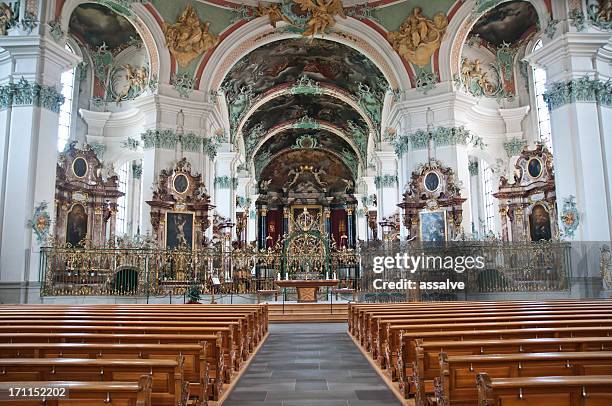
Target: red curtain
[(339, 226), (275, 226)]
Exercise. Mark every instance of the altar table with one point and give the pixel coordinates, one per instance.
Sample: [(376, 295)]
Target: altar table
[(307, 289)]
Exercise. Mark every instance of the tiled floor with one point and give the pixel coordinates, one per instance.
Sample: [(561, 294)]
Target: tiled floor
[(310, 365)]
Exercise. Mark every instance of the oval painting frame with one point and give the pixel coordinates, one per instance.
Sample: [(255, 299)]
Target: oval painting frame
[(535, 164), (80, 169), (429, 183), (180, 183)]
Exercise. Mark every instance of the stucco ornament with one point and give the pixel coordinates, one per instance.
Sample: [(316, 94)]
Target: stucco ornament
[(189, 37), (319, 18), (570, 219), (322, 15), (41, 222), (419, 37)]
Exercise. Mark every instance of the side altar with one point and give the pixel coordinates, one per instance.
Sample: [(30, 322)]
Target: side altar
[(307, 290)]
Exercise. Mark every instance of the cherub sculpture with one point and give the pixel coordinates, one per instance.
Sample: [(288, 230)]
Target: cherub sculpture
[(322, 15)]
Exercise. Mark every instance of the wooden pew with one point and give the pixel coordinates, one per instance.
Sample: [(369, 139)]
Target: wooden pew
[(395, 341), (230, 344), (195, 367), (405, 361), (218, 373), (168, 386), (82, 393), (359, 314), (379, 325), (244, 345), (426, 366), (589, 390), (457, 382)]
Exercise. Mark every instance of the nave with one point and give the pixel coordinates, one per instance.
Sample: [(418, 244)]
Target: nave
[(308, 364), (505, 353)]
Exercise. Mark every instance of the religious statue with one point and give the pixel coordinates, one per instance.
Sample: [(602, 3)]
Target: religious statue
[(323, 13), (475, 79), (274, 13), (6, 16), (418, 37), (188, 37), (137, 79), (605, 264)]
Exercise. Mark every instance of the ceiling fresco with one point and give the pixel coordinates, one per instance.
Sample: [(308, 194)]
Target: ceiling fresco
[(506, 23), (286, 61), (95, 25), (304, 139), (295, 106), (320, 171)]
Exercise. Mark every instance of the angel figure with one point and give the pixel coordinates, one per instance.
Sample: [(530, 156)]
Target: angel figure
[(273, 12), (322, 15), (6, 15)]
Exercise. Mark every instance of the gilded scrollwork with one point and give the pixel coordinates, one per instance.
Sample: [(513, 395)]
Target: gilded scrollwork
[(319, 18), (189, 37), (419, 37)]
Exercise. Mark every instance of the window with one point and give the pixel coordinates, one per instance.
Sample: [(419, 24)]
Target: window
[(121, 224), (488, 198), (65, 115), (539, 85)]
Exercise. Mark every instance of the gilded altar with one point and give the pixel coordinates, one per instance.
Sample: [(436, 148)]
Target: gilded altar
[(432, 204), (180, 208), (85, 198), (528, 206)]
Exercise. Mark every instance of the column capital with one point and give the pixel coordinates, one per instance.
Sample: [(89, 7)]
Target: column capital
[(36, 58), (569, 56)]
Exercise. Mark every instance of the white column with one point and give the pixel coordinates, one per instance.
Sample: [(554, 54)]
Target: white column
[(225, 193), (580, 129), (29, 155)]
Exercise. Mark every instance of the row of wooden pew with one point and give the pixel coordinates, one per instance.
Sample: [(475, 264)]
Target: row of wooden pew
[(492, 353), (141, 355)]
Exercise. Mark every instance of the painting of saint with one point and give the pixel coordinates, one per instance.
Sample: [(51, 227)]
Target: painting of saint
[(433, 226), (534, 167), (432, 181), (179, 230), (76, 228), (539, 224), (181, 183)]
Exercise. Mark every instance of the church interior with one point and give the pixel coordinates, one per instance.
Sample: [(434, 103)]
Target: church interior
[(306, 202)]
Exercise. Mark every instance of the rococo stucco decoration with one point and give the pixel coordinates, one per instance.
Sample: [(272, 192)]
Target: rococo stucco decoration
[(419, 37), (570, 219), (41, 222), (315, 17), (188, 37)]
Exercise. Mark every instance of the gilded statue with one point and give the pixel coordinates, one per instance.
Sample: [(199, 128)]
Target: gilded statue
[(323, 13), (274, 13), (6, 16), (419, 37), (473, 75), (189, 37), (136, 78)]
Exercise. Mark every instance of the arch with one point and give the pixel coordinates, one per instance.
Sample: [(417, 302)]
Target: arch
[(461, 24), (325, 88), (258, 32), (323, 125), (147, 27)]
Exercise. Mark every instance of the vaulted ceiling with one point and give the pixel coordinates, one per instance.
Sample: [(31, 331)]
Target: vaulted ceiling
[(313, 87)]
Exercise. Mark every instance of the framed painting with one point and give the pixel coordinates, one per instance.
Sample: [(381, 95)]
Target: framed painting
[(539, 224), (433, 226), (179, 230), (76, 225)]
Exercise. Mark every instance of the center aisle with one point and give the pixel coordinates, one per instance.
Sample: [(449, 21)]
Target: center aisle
[(310, 364)]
